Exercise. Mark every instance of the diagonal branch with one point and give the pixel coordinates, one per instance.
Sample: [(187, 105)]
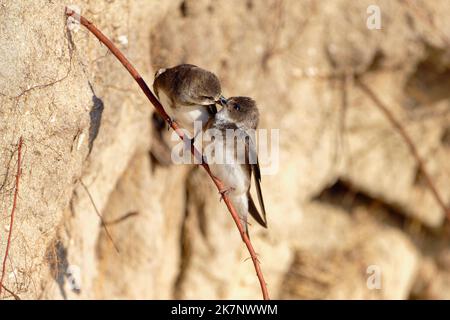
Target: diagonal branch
[(196, 153), (15, 296), (412, 147), (13, 210), (102, 221), (427, 19)]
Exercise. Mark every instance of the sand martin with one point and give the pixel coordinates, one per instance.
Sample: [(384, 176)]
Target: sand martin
[(188, 93), (241, 115)]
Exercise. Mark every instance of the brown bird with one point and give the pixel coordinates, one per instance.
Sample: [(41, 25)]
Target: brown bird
[(188, 94), (241, 115)]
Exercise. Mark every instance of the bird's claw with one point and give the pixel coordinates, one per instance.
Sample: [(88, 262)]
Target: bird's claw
[(170, 122), (225, 191)]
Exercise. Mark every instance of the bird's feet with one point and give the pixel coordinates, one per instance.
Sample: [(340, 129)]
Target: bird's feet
[(170, 121), (225, 192)]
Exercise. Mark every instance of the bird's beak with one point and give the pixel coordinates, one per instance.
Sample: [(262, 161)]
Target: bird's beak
[(222, 101)]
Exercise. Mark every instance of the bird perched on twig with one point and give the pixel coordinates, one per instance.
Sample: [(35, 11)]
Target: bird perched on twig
[(241, 115), (188, 94)]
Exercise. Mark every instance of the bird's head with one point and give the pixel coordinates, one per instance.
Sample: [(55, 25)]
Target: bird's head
[(241, 110)]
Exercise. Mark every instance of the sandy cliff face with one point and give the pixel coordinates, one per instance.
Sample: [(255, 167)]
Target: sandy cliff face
[(347, 199)]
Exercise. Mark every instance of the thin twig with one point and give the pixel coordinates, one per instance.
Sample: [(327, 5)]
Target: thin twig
[(100, 216), (13, 210), (197, 154), (427, 19), (122, 218), (16, 297), (412, 147)]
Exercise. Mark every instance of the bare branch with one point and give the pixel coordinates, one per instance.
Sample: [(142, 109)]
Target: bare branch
[(220, 186), (16, 297), (13, 210), (100, 216), (412, 147)]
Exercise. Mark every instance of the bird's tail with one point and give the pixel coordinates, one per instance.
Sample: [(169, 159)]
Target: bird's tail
[(254, 211), (244, 204)]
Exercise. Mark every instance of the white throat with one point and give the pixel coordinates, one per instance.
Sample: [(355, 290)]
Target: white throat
[(223, 117)]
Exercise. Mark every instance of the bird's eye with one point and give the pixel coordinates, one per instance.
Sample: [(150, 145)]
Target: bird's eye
[(237, 107)]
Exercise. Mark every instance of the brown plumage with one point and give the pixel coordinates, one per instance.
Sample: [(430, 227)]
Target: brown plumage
[(188, 93)]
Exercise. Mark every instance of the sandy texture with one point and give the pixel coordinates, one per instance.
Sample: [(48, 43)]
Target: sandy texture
[(348, 195)]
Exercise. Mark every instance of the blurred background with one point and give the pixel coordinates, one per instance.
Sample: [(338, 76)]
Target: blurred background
[(360, 93)]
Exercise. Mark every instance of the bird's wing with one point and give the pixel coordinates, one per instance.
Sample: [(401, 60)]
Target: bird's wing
[(257, 175), (155, 87), (254, 168)]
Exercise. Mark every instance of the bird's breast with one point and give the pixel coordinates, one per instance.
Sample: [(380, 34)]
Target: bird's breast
[(184, 115), (232, 173), (188, 115)]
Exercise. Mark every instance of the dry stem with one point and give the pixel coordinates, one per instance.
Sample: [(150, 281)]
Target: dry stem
[(412, 147), (13, 210), (220, 186)]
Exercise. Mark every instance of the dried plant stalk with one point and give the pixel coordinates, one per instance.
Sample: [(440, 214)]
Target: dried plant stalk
[(220, 186), (13, 210), (412, 147)]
